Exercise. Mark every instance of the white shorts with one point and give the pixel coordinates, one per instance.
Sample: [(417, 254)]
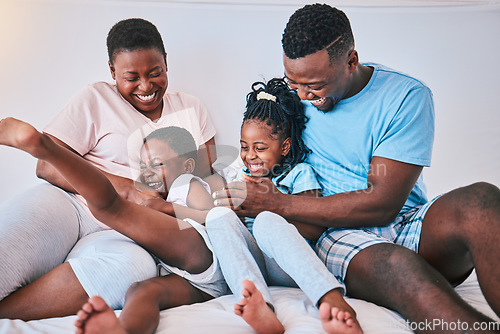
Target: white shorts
[(211, 281)]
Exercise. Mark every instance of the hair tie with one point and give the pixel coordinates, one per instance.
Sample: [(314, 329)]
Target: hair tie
[(266, 96)]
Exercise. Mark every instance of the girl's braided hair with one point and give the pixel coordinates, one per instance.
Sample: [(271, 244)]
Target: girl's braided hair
[(285, 115)]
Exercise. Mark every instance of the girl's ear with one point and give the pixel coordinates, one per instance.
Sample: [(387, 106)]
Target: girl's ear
[(189, 165), (112, 70), (285, 146)]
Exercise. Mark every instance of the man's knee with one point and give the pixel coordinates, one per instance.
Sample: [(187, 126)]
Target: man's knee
[(383, 259), (484, 195)]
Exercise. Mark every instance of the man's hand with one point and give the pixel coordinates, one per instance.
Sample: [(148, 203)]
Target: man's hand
[(249, 197)]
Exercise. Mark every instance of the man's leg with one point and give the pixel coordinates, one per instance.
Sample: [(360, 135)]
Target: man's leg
[(460, 232), (391, 275), (397, 278)]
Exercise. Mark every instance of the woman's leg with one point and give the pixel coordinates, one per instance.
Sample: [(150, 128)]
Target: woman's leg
[(149, 228), (143, 303), (38, 228)]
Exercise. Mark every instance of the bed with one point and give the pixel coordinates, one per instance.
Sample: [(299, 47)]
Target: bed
[(294, 310)]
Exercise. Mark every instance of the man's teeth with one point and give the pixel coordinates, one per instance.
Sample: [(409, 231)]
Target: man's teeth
[(146, 97), (318, 101)]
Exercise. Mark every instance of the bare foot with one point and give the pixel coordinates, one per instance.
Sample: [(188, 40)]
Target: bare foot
[(96, 316), (255, 311), (21, 135), (334, 320)]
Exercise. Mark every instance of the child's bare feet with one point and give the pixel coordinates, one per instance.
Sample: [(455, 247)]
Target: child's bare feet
[(96, 316), (255, 311), (18, 134), (334, 320)]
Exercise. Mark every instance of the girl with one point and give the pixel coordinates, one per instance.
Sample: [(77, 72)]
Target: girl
[(168, 159), (270, 250), (53, 253)]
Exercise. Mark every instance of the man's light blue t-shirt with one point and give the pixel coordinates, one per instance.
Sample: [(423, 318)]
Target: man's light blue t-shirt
[(392, 117)]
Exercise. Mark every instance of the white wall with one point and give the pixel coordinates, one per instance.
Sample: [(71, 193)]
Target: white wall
[(49, 49)]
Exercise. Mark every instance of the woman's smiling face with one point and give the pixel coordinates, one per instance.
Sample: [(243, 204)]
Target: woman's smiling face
[(141, 78)]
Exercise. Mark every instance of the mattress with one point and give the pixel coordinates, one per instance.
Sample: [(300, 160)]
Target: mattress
[(293, 308)]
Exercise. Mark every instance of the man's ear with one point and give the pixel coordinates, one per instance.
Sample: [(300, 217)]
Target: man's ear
[(285, 146), (189, 166), (112, 70), (353, 60)]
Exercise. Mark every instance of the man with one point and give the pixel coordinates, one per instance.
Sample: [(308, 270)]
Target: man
[(371, 131)]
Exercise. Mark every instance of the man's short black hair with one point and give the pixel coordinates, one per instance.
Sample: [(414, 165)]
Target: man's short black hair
[(313, 28)]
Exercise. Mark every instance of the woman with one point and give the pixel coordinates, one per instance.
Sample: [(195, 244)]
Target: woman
[(52, 249)]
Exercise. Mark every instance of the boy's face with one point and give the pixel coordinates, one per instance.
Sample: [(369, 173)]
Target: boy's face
[(141, 78), (316, 80), (259, 149), (160, 165)]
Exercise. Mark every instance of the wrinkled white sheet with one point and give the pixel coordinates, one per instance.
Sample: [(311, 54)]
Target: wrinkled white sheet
[(294, 310)]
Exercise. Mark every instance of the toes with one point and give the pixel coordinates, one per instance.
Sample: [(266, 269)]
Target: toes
[(98, 303), (82, 315), (238, 309), (324, 312)]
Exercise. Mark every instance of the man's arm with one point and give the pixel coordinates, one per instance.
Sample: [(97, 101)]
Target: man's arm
[(389, 184), (125, 187)]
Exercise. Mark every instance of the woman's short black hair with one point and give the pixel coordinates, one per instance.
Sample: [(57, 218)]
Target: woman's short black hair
[(313, 28), (133, 34), (285, 115)]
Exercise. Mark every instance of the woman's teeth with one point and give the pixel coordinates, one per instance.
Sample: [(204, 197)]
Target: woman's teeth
[(146, 97)]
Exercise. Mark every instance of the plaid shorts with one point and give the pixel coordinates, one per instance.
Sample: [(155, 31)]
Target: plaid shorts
[(336, 247)]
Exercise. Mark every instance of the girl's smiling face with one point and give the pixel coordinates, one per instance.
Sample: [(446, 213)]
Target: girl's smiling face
[(141, 78), (160, 166), (260, 150)]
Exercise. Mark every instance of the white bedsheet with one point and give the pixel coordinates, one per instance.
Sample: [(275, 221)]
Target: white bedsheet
[(294, 310)]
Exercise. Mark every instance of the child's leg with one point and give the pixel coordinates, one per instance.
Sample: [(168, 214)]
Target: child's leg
[(143, 302), (244, 269), (238, 253), (282, 242), (149, 228)]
